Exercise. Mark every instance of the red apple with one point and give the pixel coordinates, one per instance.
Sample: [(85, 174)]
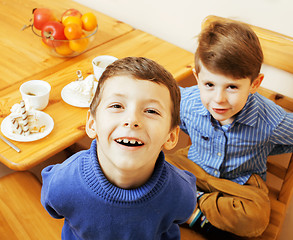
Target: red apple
[(53, 31), (70, 12), (42, 16)]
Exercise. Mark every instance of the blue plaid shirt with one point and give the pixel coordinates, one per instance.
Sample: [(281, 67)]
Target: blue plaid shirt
[(238, 150)]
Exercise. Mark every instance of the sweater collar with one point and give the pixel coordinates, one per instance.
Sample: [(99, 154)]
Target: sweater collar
[(97, 181)]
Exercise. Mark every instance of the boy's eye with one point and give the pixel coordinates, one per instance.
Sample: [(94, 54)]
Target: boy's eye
[(209, 85), (152, 111), (115, 106), (233, 87)]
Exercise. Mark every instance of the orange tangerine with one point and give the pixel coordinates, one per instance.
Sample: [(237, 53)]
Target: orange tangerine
[(72, 19), (89, 21), (64, 49), (79, 45), (72, 31)]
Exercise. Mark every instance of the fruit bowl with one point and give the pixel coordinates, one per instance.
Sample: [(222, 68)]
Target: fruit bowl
[(66, 48)]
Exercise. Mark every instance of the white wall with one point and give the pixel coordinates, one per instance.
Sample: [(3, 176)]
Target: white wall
[(178, 21)]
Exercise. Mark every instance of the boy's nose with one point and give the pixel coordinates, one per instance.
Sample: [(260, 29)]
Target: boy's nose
[(132, 117), (220, 96), (132, 120), (131, 124)]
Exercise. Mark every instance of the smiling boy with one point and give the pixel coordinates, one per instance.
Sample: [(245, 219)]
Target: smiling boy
[(233, 129), (122, 188), (224, 96)]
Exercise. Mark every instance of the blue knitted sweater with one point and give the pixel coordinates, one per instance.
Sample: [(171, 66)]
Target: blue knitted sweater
[(93, 208)]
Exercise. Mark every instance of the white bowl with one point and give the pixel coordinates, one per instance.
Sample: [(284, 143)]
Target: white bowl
[(100, 63)]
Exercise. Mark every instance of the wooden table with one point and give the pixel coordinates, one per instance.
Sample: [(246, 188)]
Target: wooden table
[(70, 121), (22, 54)]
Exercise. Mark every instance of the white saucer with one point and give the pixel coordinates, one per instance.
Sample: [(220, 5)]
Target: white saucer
[(44, 119), (73, 100)]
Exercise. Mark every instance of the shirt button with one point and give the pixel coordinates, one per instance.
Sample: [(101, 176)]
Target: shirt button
[(219, 154), (216, 172)]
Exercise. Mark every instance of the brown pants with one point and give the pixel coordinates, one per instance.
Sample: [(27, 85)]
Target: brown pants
[(240, 209)]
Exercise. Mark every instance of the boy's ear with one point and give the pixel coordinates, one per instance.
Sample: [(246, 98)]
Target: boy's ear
[(173, 138), (90, 126), (195, 74), (256, 83)]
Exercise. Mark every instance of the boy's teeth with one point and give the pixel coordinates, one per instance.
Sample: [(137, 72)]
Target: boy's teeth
[(129, 142)]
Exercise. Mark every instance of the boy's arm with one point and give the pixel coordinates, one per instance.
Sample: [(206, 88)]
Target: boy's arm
[(46, 198), (279, 149), (188, 95), (283, 135), (184, 192)]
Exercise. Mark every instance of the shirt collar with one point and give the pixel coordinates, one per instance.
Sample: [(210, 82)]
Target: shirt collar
[(201, 109), (198, 107), (248, 114)]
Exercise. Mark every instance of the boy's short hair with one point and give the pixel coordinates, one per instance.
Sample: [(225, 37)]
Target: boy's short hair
[(230, 48), (142, 69)]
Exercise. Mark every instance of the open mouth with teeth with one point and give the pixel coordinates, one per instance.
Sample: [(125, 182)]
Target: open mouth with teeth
[(129, 142)]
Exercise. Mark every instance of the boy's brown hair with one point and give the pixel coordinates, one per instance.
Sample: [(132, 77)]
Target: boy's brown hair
[(142, 69), (230, 48)]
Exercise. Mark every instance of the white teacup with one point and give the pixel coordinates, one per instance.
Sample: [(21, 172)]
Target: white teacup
[(100, 63), (36, 93)]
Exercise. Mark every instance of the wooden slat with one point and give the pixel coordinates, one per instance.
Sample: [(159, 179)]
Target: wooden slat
[(188, 234), (278, 210), (286, 193), (276, 169), (283, 101)]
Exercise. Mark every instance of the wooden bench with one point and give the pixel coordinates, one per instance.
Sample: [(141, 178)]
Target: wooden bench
[(22, 217), (278, 52)]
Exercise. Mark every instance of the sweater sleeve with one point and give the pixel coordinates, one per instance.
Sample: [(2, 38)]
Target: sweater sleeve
[(189, 201), (184, 194), (55, 189), (47, 176)]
